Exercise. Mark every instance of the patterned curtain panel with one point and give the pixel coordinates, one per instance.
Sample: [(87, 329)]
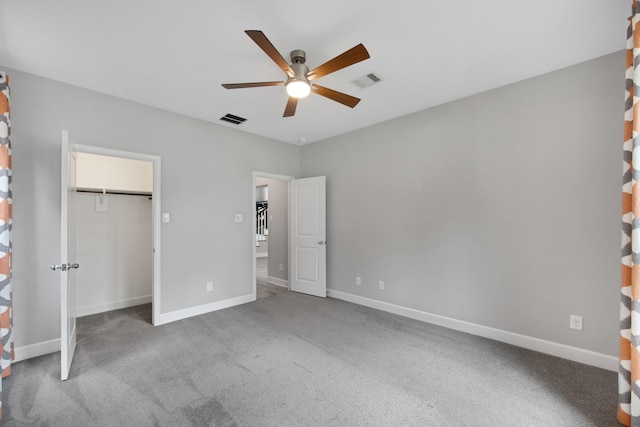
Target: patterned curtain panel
[(6, 312), (629, 370)]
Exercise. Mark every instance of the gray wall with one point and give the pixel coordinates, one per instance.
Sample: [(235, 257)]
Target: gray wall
[(207, 177), (501, 209), (278, 227)]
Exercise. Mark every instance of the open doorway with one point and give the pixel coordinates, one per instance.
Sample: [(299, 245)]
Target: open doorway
[(114, 233), (271, 245), (122, 193), (68, 248)]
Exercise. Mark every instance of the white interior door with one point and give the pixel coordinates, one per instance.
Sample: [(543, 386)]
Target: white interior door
[(308, 236), (68, 253)]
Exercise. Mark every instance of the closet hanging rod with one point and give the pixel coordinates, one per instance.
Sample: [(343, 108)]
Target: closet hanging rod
[(123, 193)]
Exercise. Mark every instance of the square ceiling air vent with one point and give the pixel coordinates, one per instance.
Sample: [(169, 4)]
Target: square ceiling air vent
[(236, 120), (366, 80)]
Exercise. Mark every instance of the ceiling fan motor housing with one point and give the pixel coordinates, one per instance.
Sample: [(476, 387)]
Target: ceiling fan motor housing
[(298, 56), (300, 71)]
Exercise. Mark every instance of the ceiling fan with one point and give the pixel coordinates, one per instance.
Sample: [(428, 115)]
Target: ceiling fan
[(299, 77)]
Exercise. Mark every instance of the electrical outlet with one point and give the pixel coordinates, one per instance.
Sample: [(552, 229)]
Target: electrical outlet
[(575, 322), (358, 280), (209, 286), (381, 285)]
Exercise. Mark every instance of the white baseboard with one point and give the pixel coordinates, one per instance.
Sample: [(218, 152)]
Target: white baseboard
[(576, 354), (173, 316), (52, 346), (278, 282), (34, 350), (262, 254), (548, 347), (115, 305)]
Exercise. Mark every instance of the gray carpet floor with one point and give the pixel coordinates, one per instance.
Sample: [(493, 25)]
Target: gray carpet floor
[(297, 360)]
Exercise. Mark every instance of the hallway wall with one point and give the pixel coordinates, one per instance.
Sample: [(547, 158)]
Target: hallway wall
[(278, 227)]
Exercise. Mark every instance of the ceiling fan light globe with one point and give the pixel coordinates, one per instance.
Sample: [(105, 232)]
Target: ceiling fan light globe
[(298, 88)]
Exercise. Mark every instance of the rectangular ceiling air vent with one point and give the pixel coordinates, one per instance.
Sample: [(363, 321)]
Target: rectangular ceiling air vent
[(366, 80), (236, 120)]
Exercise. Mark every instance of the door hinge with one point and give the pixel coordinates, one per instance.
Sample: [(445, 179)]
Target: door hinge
[(64, 267)]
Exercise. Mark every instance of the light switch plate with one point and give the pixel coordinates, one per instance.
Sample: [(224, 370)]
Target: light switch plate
[(166, 217), (239, 218)]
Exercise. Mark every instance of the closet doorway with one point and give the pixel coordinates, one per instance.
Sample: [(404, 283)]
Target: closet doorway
[(271, 221), (115, 231)]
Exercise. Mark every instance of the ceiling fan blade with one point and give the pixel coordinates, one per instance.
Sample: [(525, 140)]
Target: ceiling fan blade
[(290, 109), (263, 42), (342, 98), (256, 84), (352, 56)]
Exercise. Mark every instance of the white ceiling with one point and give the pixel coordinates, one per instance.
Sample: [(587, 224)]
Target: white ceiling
[(174, 55)]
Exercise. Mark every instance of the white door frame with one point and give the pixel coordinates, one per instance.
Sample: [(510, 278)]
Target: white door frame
[(253, 218), (155, 209)]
